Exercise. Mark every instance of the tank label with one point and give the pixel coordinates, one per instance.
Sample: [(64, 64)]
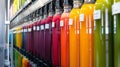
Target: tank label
[(97, 14), (53, 24), (42, 27), (46, 26), (38, 28), (25, 30), (61, 23), (34, 28), (29, 30), (81, 17), (70, 21), (116, 8)]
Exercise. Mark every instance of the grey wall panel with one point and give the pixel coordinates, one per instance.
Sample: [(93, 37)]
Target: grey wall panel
[(2, 22), (2, 31)]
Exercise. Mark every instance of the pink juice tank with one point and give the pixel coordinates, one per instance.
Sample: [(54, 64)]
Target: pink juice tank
[(35, 34), (38, 39), (30, 42), (48, 33), (26, 39), (35, 38), (39, 34), (56, 54), (42, 36), (36, 30)]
